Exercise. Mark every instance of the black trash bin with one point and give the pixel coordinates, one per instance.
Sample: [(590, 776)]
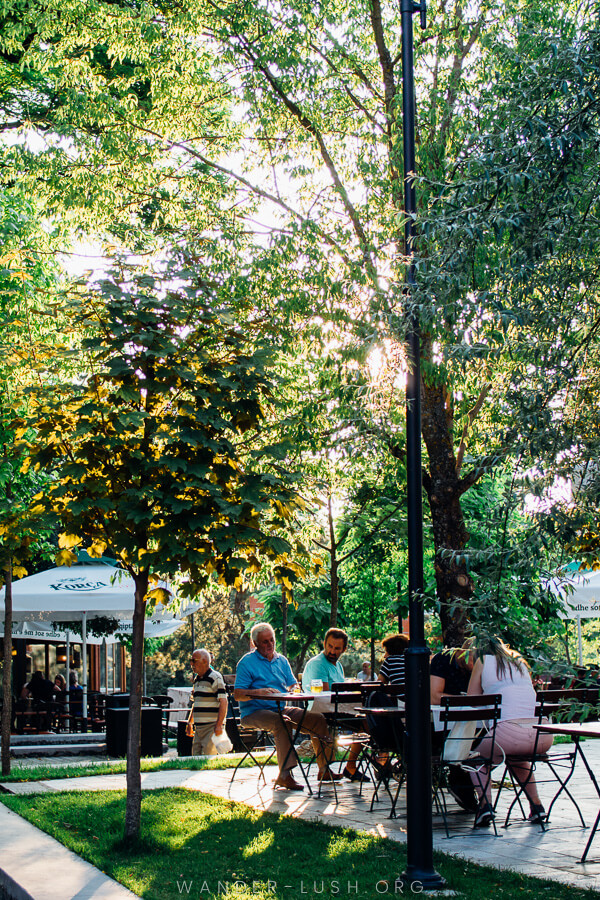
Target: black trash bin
[(117, 720), (184, 743), (117, 701)]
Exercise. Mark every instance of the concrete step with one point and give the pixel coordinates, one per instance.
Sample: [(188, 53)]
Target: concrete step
[(69, 749)]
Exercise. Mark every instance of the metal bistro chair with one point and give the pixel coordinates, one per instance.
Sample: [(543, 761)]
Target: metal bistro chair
[(466, 719), (560, 704), (245, 739), (343, 729), (164, 701), (386, 738), (96, 711), (347, 728)]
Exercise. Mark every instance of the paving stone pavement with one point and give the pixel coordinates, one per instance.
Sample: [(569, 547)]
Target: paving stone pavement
[(523, 847)]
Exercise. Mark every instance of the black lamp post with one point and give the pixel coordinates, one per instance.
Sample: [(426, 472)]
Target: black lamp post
[(419, 828)]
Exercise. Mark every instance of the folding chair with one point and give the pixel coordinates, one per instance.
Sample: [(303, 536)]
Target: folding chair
[(245, 738), (164, 701), (561, 704), (97, 711), (386, 738), (342, 727), (465, 720), (347, 728), (395, 691)]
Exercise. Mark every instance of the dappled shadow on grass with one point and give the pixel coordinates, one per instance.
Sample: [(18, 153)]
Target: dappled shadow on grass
[(219, 848), (215, 848), (199, 846)]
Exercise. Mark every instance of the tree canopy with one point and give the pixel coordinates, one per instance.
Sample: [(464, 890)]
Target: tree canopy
[(266, 139), (153, 451)]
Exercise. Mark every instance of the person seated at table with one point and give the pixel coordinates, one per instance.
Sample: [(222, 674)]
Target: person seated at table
[(75, 696), (365, 672), (384, 732), (450, 672), (500, 670), (40, 691), (209, 705), (60, 688), (59, 700), (266, 672), (393, 668), (39, 688), (326, 667), (449, 675)]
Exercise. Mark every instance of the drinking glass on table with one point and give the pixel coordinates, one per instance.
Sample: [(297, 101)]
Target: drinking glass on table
[(316, 686)]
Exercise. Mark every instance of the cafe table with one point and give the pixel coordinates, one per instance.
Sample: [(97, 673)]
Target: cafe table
[(323, 703), (181, 697), (283, 699), (576, 731)]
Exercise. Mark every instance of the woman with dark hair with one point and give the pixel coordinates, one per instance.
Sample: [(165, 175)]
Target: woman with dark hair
[(393, 670), (384, 732), (500, 670)]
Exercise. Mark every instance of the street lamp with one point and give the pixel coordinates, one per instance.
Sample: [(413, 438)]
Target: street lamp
[(419, 827)]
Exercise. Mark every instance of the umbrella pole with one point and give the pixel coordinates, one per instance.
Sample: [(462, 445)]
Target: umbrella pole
[(68, 705), (84, 665)]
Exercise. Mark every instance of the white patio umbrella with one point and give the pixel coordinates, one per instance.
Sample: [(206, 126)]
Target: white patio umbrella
[(80, 592), (68, 593)]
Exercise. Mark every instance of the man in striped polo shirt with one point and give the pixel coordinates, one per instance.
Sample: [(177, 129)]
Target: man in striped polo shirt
[(209, 705)]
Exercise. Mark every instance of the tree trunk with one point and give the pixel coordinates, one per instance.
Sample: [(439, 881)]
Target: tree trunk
[(444, 490), (333, 568), (134, 781), (7, 670), (284, 622), (372, 624)]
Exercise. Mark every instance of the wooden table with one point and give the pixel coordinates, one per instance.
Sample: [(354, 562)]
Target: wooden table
[(576, 731)]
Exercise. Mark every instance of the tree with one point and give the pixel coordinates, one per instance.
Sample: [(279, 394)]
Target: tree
[(303, 619), (507, 152), (115, 104), (26, 273), (154, 452), (507, 134)]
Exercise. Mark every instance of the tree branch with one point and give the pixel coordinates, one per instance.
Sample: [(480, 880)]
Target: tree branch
[(369, 534), (471, 416)]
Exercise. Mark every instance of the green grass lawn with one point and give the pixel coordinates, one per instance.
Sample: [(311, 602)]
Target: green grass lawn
[(198, 846), (116, 767)]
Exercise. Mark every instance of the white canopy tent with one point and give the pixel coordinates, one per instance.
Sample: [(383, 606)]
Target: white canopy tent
[(68, 593), (79, 593), (579, 592), (43, 631)]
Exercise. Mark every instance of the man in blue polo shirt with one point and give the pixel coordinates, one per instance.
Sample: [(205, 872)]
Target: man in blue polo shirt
[(265, 672)]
